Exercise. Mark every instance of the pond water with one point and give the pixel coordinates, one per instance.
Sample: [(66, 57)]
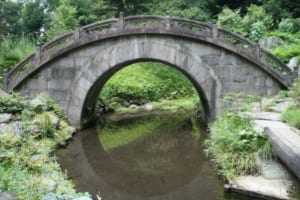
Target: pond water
[(149, 158)]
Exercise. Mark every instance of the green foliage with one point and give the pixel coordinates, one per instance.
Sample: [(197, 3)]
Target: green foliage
[(291, 47), (13, 50), (253, 25), (146, 81), (33, 17), (62, 21), (12, 104), (231, 20), (233, 142), (27, 164), (285, 25), (187, 9), (10, 16), (292, 114)]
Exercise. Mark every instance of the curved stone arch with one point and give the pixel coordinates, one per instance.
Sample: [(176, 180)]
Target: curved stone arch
[(67, 67), (88, 83)]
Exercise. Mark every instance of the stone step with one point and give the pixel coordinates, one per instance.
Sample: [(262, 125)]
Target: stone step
[(286, 143)]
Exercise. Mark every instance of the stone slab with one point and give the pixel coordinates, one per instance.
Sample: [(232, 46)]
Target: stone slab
[(271, 116), (286, 143), (259, 186)]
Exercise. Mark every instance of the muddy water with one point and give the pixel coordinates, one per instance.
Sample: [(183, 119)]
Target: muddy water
[(153, 158)]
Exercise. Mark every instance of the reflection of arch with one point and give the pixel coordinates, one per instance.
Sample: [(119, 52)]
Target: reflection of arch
[(99, 168)]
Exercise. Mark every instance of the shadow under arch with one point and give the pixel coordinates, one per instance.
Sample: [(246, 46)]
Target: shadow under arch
[(88, 109)]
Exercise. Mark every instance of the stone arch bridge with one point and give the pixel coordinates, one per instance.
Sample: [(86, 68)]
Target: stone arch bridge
[(73, 67)]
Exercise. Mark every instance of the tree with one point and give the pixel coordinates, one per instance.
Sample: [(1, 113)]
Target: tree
[(62, 21), (10, 13), (191, 9), (33, 17)]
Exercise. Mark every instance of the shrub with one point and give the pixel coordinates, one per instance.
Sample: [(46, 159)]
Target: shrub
[(292, 116), (233, 142), (12, 103), (146, 81), (286, 25)]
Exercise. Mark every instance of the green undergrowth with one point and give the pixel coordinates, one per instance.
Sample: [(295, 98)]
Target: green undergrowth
[(233, 143), (143, 82), (290, 48), (27, 163), (171, 106), (13, 50), (292, 114)]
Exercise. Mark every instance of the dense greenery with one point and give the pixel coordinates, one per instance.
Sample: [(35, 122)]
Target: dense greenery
[(27, 165), (233, 143), (292, 114), (146, 81), (13, 50)]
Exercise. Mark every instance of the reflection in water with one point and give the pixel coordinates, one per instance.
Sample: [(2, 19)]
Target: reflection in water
[(154, 158)]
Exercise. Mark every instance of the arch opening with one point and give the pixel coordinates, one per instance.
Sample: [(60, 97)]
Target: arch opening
[(182, 84)]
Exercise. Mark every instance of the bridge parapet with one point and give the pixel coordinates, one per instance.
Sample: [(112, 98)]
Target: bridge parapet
[(164, 25)]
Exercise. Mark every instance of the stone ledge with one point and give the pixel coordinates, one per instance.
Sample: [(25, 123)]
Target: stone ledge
[(286, 143), (260, 187)]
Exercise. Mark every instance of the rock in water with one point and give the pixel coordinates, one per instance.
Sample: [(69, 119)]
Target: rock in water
[(148, 107)]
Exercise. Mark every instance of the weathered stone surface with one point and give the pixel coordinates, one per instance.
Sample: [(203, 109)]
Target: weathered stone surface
[(13, 130), (5, 117), (270, 42), (286, 143), (216, 68), (260, 186), (266, 116), (272, 169), (8, 196), (293, 63)]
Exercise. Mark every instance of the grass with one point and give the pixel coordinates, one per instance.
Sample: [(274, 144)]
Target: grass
[(233, 143), (292, 114)]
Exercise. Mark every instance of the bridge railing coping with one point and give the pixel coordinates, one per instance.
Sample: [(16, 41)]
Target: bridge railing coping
[(167, 22)]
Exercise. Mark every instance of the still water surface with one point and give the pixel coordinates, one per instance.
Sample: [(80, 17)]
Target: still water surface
[(150, 158)]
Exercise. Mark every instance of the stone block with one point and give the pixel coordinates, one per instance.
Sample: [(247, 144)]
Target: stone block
[(212, 60)]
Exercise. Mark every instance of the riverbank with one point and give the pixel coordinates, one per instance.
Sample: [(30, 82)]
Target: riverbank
[(270, 179), (30, 132), (162, 107)]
